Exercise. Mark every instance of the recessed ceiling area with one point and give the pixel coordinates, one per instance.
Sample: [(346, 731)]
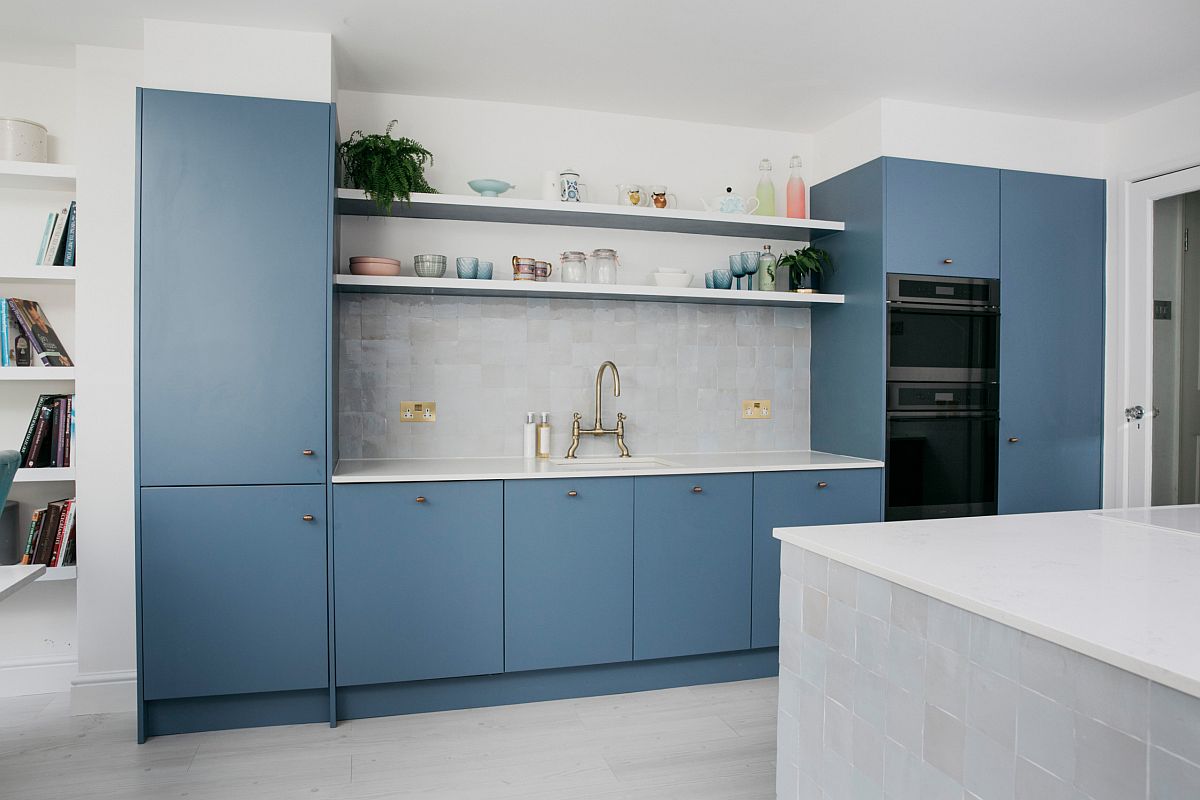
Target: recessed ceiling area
[(794, 65)]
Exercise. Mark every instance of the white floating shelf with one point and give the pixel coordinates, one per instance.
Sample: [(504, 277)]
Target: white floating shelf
[(36, 175), (38, 274), (578, 291), (37, 373), (45, 475), (590, 215), (57, 574)]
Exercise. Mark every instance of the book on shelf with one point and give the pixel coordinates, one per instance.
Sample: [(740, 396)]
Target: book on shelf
[(49, 437), (51, 536), (58, 244), (32, 322)]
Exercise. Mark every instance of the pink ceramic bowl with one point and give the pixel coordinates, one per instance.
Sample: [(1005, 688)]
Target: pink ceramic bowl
[(365, 265)]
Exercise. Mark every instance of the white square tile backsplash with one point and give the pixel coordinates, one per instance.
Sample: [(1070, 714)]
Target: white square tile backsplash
[(486, 361)]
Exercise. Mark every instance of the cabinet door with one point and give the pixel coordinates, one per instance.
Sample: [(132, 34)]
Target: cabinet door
[(691, 561), (233, 590), (941, 219), (234, 270), (1051, 343), (782, 499), (417, 580), (568, 572)]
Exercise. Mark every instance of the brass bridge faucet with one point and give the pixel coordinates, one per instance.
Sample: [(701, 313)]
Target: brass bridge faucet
[(598, 429)]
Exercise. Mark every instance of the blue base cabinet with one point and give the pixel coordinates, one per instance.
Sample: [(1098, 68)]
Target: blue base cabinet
[(783, 499), (691, 564), (568, 572), (417, 581), (233, 590)]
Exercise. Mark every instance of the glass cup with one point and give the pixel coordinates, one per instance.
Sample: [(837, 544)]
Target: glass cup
[(708, 280), (467, 266), (736, 268), (485, 271), (750, 265), (722, 278)]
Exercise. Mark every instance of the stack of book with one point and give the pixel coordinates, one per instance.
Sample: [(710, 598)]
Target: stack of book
[(50, 438), (51, 539), (25, 318), (58, 239)]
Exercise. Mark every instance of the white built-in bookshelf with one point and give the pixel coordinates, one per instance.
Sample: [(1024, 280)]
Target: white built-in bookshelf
[(28, 191)]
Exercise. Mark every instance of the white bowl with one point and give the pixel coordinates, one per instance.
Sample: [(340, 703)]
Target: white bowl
[(674, 280)]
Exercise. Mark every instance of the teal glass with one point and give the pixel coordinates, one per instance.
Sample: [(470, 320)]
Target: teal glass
[(736, 268), (708, 280), (467, 266), (722, 278), (750, 265), (485, 271)]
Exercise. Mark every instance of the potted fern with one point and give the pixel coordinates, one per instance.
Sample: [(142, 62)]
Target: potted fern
[(386, 169), (805, 268)]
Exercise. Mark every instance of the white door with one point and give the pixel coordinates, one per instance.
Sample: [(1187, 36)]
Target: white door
[(1130, 417), (1187, 444)]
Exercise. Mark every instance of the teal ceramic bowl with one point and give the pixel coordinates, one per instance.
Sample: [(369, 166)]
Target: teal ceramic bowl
[(490, 187)]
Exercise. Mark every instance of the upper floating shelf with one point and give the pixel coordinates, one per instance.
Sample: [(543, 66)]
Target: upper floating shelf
[(37, 175), (590, 215), (578, 291)]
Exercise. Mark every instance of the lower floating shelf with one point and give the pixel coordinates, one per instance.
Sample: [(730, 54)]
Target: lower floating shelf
[(44, 474), (578, 291), (57, 574)]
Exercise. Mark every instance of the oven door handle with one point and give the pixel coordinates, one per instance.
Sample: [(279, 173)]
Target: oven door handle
[(986, 415), (944, 308)]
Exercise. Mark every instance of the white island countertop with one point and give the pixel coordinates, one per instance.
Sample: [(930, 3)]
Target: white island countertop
[(394, 470), (1120, 586), (13, 577)]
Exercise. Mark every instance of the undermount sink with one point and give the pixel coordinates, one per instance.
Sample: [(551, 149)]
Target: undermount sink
[(610, 462)]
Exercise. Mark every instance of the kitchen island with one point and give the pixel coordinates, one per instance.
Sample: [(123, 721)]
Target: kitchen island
[(1029, 656)]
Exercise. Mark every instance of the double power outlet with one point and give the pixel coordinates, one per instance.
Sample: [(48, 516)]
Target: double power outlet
[(411, 411), (756, 409)]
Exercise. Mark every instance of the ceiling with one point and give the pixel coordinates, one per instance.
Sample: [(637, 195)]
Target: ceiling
[(792, 65)]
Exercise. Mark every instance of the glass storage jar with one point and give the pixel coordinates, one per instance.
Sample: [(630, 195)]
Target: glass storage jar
[(604, 266), (574, 267)]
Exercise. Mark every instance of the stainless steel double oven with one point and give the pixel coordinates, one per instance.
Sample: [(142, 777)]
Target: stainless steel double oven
[(943, 351)]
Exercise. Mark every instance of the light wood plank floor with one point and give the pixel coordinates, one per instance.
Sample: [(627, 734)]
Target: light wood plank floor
[(713, 742)]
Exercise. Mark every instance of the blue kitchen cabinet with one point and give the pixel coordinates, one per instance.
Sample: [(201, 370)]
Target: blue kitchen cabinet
[(418, 570), (1051, 342), (233, 595), (691, 574), (817, 497), (568, 572), (941, 219), (234, 222)]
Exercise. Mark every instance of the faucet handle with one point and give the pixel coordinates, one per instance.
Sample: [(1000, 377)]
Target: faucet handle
[(621, 416)]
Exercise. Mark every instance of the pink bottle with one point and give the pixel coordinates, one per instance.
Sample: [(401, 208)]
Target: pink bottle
[(795, 191)]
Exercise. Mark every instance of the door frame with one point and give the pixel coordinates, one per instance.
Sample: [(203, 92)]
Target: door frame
[(1130, 345)]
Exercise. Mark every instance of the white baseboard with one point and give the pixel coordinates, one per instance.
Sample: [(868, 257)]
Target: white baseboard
[(41, 675), (104, 692)]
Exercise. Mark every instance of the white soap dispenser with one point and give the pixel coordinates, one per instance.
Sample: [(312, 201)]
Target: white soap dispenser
[(529, 437)]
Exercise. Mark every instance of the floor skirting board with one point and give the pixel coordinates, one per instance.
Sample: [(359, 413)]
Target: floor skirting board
[(104, 692), (41, 675), (220, 712), (380, 700)]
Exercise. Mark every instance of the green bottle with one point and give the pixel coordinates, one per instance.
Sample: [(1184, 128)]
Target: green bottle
[(766, 190)]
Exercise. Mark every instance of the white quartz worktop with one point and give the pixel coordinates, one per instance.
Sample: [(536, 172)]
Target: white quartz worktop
[(393, 470), (14, 577), (1119, 586)]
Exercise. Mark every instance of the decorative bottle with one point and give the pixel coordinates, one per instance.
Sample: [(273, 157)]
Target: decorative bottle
[(796, 206), (767, 265), (766, 190), (543, 436)]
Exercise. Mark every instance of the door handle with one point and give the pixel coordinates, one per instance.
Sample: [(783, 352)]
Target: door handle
[(308, 518), (822, 485), (697, 489), (420, 499), (572, 493), (1134, 412), (1014, 439), (947, 260), (306, 452)]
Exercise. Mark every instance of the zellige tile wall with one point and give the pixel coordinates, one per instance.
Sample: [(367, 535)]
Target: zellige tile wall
[(888, 693), (486, 361)]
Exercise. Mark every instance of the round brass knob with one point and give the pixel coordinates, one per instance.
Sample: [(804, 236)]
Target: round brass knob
[(420, 499), (306, 452), (308, 518), (697, 489), (947, 260), (1014, 439), (821, 484), (572, 493)]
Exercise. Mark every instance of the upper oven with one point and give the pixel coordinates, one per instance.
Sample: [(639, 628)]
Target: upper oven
[(943, 329)]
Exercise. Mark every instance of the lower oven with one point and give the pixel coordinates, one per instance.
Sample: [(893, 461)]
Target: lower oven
[(942, 444)]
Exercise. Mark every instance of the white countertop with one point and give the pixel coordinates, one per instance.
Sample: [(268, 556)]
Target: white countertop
[(13, 577), (395, 470), (1120, 586)]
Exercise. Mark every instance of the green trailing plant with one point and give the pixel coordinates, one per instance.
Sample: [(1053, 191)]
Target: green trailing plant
[(386, 169), (803, 263)]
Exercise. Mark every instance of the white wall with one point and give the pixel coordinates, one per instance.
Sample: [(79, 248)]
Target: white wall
[(223, 59), (37, 626), (106, 98)]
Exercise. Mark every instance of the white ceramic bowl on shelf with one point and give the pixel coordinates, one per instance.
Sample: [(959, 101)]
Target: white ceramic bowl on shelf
[(673, 280)]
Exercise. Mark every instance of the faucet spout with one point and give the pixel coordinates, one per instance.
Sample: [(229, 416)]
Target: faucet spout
[(598, 428), (599, 381)]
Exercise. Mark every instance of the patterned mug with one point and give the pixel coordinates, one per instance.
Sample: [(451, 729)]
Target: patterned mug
[(542, 270), (524, 269)]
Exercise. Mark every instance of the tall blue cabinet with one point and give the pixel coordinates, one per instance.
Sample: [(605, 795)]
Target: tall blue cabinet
[(234, 213), (1043, 237)]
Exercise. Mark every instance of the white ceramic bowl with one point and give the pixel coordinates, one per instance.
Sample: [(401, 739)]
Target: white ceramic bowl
[(674, 280), (672, 269)]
